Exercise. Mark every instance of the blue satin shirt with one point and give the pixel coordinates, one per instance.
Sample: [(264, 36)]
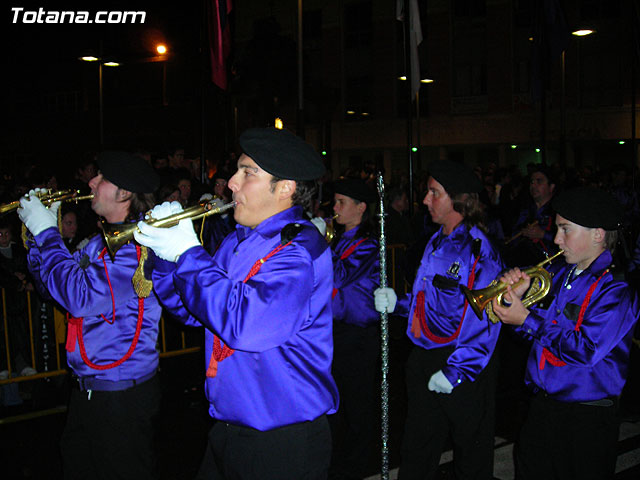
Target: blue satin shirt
[(445, 266), (354, 280), (279, 322), (597, 355), (79, 283)]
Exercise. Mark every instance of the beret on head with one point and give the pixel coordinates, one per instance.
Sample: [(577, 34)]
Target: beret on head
[(589, 207), (355, 188), (128, 172), (282, 154), (455, 177)]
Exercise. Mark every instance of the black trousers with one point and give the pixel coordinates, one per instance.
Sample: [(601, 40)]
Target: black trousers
[(355, 426), (296, 452), (467, 414), (567, 440), (111, 435)]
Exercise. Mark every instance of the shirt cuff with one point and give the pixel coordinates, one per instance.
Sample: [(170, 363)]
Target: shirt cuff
[(453, 375), (532, 324)]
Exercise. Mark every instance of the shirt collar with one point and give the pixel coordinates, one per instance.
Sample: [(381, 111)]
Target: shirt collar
[(599, 265), (272, 225)]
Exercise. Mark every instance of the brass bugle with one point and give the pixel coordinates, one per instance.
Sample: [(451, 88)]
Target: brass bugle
[(118, 234), (480, 299), (331, 228), (47, 198)]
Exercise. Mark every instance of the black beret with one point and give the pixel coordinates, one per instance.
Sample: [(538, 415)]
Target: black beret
[(455, 177), (282, 154), (128, 172), (355, 188), (589, 207)]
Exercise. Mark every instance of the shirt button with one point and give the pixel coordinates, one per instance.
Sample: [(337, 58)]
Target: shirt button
[(558, 311), (568, 287), (528, 330)]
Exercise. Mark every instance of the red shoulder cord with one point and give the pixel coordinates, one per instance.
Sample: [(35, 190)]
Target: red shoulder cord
[(74, 328), (547, 356), (219, 351), (346, 254), (419, 322)]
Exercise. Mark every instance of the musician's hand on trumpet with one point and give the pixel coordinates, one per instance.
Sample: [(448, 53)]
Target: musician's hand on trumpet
[(515, 313), (167, 243), (533, 231), (36, 217)]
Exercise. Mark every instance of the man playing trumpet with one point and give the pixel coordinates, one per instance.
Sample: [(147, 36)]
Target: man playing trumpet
[(265, 302), (582, 335), (111, 338)]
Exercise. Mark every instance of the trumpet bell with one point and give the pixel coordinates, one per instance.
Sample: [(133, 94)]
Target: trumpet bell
[(480, 299), (116, 235)]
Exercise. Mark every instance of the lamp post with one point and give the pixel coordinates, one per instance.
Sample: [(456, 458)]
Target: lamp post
[(162, 56), (580, 32), (101, 62)]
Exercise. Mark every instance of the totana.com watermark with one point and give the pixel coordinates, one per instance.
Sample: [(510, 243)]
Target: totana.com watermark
[(20, 15)]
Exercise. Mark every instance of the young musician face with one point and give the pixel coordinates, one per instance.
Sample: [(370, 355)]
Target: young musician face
[(109, 201), (440, 206), (257, 198), (349, 212), (581, 245)]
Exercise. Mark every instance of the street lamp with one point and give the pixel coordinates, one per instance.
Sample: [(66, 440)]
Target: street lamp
[(579, 32), (106, 63)]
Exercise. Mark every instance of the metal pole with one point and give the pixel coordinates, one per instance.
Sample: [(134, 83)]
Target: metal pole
[(300, 126), (563, 113), (384, 344), (407, 57), (100, 105)]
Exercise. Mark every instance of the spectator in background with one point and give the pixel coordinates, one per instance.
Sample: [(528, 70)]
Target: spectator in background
[(533, 233), (168, 193), (69, 229), (184, 186), (15, 279)]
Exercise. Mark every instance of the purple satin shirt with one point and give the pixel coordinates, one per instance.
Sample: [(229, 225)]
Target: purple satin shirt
[(78, 282), (446, 265), (596, 356), (354, 280), (279, 322)]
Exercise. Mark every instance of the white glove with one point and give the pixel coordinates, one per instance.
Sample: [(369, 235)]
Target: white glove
[(439, 383), (36, 217), (163, 210), (205, 197), (385, 299), (167, 243), (320, 224)]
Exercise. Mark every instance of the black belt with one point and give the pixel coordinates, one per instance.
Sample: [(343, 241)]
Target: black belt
[(87, 384), (603, 402)]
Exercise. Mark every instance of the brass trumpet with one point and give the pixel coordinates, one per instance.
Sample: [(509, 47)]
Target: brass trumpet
[(47, 198), (118, 234), (331, 228), (480, 299)]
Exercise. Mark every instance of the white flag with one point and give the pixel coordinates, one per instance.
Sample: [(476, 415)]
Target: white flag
[(415, 39)]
